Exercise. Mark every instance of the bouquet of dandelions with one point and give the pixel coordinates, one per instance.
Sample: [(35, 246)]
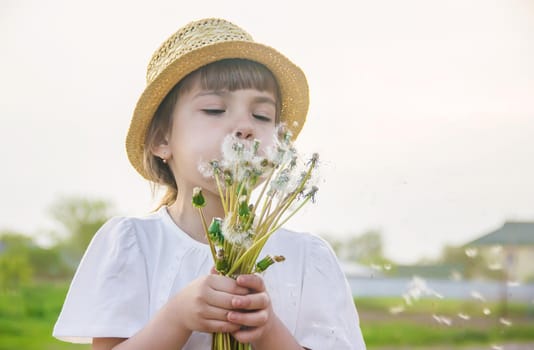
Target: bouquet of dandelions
[(237, 239)]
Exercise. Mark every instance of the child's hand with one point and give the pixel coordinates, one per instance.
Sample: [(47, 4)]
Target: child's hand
[(205, 303), (253, 312)]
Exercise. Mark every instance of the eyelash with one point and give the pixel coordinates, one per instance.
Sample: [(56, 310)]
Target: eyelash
[(262, 118), (213, 111), (221, 111)]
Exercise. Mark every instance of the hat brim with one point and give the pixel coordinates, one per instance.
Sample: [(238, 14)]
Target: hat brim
[(290, 78)]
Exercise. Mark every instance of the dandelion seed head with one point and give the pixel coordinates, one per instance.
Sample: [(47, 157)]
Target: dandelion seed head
[(281, 181), (234, 234), (205, 169), (312, 192), (255, 146), (236, 151), (497, 347), (486, 311)]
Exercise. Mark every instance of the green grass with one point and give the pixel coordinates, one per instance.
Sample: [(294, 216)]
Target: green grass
[(416, 327), (445, 306), (28, 316), (403, 333)]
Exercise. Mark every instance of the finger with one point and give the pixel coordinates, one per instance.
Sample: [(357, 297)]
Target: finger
[(253, 301), (226, 284), (219, 299), (211, 312), (212, 326), (249, 319), (247, 335), (252, 282)]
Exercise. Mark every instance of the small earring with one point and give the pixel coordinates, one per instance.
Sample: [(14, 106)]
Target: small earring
[(164, 158)]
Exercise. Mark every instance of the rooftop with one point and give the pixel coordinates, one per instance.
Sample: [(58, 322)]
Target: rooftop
[(510, 234)]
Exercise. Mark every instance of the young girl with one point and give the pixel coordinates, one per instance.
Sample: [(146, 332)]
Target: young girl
[(148, 282)]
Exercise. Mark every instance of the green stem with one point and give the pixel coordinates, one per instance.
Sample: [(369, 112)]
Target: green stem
[(223, 198), (265, 186), (205, 225)]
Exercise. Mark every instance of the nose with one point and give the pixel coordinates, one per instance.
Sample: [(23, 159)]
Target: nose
[(244, 130)]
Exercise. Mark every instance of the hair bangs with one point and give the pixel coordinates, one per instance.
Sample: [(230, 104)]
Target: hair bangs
[(237, 74)]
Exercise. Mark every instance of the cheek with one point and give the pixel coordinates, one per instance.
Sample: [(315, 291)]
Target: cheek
[(267, 138), (199, 147)]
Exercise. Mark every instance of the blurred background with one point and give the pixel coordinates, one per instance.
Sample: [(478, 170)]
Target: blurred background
[(422, 111)]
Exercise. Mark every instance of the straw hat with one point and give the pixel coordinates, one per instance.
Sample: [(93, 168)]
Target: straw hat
[(198, 44)]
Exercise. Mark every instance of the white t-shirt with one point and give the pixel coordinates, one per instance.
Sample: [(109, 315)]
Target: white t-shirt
[(134, 265)]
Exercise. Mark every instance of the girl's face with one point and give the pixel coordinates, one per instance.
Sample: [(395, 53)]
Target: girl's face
[(202, 119)]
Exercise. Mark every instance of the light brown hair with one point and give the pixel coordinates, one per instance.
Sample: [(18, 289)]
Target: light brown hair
[(228, 74)]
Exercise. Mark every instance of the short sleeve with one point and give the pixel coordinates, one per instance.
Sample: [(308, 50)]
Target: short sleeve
[(108, 296), (327, 316)]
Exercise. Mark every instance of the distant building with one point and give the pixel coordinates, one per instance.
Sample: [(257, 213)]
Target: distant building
[(515, 241), (436, 271), (352, 269)]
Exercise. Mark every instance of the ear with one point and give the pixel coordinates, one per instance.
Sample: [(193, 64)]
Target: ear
[(162, 150)]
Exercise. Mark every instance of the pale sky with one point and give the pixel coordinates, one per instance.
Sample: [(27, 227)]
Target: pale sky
[(422, 111)]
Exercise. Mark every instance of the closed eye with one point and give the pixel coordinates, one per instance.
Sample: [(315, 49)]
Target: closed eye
[(213, 111), (262, 117)]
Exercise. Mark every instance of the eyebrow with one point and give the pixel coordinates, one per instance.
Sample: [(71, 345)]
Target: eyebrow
[(221, 93), (211, 92), (264, 99)]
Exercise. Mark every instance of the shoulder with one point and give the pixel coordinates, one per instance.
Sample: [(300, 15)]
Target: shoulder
[(131, 227), (121, 234), (303, 240), (133, 223), (310, 250)]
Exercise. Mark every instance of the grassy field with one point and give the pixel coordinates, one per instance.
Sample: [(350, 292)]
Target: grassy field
[(28, 316), (435, 322)]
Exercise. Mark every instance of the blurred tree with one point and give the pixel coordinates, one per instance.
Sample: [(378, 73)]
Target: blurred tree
[(47, 263), (474, 262), (78, 218), (366, 248), (21, 255), (15, 270), (15, 267)]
